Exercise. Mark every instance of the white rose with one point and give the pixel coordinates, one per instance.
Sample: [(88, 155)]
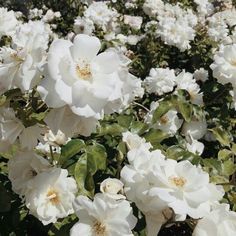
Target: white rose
[(51, 196), (133, 141), (220, 221), (91, 85), (21, 65), (160, 81), (113, 188), (57, 139), (8, 22), (156, 184), (168, 123), (115, 218), (133, 21)]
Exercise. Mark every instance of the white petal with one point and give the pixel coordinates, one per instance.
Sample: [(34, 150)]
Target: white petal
[(85, 47)]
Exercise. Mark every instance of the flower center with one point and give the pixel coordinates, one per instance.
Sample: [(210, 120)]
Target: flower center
[(99, 228), (233, 62), (178, 181), (83, 70), (164, 120), (53, 197)]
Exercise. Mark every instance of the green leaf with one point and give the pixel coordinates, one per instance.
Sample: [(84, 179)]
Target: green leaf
[(164, 107), (138, 127), (124, 120), (89, 163), (224, 154), (212, 163), (70, 149), (96, 157), (175, 152), (3, 99), (111, 129), (222, 136), (80, 174), (186, 110), (155, 136), (229, 167)]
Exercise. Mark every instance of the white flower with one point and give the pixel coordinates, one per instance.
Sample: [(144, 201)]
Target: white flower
[(8, 22), (100, 14), (57, 139), (112, 188), (35, 12), (201, 75), (103, 216), (134, 22), (171, 32), (172, 19), (138, 180), (168, 123), (224, 65), (188, 187), (10, 128), (133, 141), (160, 81), (153, 7), (51, 15), (220, 221), (23, 168), (51, 195), (185, 81), (83, 25), (196, 129), (91, 85), (46, 149), (155, 184), (20, 65), (204, 7), (194, 146)]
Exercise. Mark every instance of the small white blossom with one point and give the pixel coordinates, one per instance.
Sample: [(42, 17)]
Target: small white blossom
[(153, 7), (134, 22), (112, 188), (83, 25), (185, 81), (8, 22), (133, 141), (201, 75), (168, 123), (160, 81), (101, 14), (57, 139)]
